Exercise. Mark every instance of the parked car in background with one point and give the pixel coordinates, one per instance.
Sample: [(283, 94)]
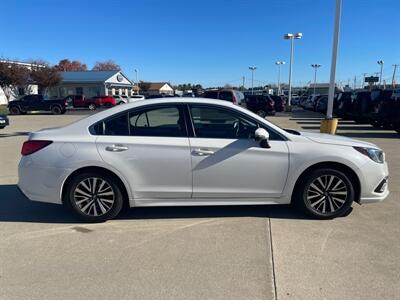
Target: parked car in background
[(221, 154), (136, 97), (121, 99), (104, 101), (343, 103), (362, 104), (310, 102), (279, 103), (30, 103), (80, 101), (295, 99), (229, 95), (321, 104), (386, 111), (4, 121), (262, 105)]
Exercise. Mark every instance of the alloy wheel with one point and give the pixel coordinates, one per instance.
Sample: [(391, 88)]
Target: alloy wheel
[(327, 194), (94, 196)]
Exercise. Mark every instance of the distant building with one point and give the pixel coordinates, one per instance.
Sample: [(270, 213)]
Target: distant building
[(156, 88), (92, 83), (17, 91), (322, 89)]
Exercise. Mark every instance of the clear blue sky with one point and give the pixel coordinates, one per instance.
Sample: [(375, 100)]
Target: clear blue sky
[(207, 42)]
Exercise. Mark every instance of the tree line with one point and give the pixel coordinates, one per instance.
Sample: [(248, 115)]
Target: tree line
[(16, 79)]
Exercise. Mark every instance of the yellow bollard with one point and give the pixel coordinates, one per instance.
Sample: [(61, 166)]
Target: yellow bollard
[(329, 126)]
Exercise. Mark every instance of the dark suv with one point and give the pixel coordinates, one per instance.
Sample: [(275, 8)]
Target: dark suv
[(262, 105)]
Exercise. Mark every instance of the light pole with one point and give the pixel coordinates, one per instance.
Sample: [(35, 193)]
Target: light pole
[(315, 66), (279, 63), (394, 75), (291, 37), (137, 82), (252, 69), (381, 63)]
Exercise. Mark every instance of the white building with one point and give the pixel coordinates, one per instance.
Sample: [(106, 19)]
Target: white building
[(17, 91), (92, 83)]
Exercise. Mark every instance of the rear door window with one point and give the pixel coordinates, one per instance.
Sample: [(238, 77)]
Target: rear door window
[(163, 121)]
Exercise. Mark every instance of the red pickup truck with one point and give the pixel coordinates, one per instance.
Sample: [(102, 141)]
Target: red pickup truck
[(77, 101)]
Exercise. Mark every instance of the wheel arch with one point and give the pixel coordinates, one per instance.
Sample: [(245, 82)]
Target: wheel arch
[(331, 165), (120, 182)]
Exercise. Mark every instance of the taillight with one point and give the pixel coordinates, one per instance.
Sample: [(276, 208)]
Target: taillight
[(33, 146), (234, 101)]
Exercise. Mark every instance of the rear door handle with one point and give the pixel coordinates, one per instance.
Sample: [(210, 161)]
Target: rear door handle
[(116, 148), (202, 152)]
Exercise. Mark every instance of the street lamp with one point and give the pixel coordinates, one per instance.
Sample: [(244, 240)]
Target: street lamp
[(252, 69), (137, 82), (381, 63), (291, 37), (279, 63), (315, 66)]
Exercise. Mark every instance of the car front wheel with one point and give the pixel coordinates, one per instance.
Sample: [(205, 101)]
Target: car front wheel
[(94, 197), (92, 106), (325, 194)]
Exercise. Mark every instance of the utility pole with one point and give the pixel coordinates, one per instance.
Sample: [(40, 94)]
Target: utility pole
[(243, 79), (355, 82), (394, 75)]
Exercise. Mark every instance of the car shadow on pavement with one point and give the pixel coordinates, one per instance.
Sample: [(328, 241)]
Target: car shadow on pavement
[(15, 207), (11, 134)]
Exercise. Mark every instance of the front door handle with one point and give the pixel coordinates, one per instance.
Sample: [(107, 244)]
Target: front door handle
[(202, 152), (116, 148)]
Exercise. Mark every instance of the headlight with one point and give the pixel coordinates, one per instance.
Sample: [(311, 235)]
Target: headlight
[(375, 154)]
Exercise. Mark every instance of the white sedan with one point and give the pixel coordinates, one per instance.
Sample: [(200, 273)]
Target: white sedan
[(188, 151)]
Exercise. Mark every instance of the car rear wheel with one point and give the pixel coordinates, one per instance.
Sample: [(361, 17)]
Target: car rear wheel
[(94, 197), (325, 194), (107, 105), (14, 110), (56, 110), (261, 113)]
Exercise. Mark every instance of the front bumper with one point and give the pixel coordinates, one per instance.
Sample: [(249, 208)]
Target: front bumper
[(374, 182)]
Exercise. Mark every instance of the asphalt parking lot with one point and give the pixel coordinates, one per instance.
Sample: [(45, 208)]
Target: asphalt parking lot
[(254, 252)]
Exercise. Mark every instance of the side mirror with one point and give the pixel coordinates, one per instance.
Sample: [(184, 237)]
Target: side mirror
[(262, 136)]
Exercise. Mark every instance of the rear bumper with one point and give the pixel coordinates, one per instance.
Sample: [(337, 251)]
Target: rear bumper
[(40, 184)]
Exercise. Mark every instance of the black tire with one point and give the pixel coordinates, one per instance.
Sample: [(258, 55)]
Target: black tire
[(2, 127), (261, 113), (71, 196), (376, 124), (121, 102), (56, 110), (107, 105), (314, 203), (14, 110), (92, 106)]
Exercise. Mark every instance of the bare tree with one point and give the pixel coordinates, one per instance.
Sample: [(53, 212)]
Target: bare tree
[(12, 77), (107, 65), (44, 75)]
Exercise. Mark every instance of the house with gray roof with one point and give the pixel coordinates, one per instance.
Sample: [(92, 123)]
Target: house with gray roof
[(92, 83)]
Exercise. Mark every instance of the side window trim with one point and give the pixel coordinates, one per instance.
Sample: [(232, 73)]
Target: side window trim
[(190, 105)]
